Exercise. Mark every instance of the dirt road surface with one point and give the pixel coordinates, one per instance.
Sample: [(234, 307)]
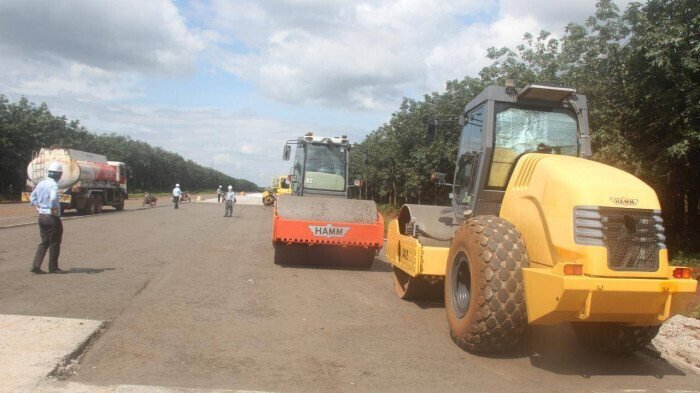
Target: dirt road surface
[(194, 300)]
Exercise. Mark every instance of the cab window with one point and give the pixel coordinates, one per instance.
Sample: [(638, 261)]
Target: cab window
[(520, 130), (468, 155)]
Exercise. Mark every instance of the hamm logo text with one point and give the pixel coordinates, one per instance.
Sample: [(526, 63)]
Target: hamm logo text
[(624, 201), (328, 230)]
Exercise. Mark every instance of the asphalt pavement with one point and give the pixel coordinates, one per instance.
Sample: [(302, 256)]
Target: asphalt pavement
[(193, 300)]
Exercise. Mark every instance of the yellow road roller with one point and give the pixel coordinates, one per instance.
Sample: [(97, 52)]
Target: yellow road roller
[(538, 234), (280, 186)]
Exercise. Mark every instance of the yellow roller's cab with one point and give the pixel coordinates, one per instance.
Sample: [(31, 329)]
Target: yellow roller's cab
[(282, 185)]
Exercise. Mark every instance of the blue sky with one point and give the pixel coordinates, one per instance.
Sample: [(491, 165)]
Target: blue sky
[(225, 83)]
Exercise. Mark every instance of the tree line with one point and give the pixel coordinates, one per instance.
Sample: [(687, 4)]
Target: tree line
[(640, 70), (25, 127)]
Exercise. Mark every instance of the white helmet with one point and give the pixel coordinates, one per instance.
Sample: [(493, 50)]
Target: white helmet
[(56, 167), (219, 185), (177, 185), (230, 188)]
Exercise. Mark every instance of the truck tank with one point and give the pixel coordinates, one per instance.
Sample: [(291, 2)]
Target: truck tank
[(91, 170)]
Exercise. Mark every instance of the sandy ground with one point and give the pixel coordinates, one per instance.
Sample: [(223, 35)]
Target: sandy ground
[(194, 301)]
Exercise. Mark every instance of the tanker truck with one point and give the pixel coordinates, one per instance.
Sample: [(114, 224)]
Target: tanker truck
[(89, 181)]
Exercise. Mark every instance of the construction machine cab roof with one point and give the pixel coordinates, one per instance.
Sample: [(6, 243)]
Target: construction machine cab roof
[(502, 124)]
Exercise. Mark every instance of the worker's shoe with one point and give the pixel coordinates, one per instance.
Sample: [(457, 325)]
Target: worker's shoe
[(57, 271), (37, 270)]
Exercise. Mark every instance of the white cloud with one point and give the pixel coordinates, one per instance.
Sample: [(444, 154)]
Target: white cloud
[(222, 158), (128, 35), (77, 80), (248, 148), (92, 50), (362, 55), (465, 53), (367, 55)]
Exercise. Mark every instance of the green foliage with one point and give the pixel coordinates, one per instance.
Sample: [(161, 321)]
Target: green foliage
[(688, 259), (641, 73), (25, 127)]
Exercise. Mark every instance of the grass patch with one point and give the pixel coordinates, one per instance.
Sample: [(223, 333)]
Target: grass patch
[(690, 259)]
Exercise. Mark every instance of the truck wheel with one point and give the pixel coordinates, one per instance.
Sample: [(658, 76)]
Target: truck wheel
[(98, 204), (610, 337), (89, 207), (408, 287), (484, 297), (120, 205)]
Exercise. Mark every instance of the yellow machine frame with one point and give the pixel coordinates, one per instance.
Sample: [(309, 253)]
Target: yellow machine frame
[(534, 204)]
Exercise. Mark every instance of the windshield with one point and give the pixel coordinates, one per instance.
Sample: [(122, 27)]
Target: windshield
[(521, 130), (325, 167)]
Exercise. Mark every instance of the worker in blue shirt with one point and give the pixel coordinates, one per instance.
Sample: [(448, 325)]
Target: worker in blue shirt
[(176, 195), (45, 198)]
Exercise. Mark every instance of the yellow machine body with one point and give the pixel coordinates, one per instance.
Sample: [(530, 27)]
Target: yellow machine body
[(277, 186), (409, 255), (271, 194), (540, 201)]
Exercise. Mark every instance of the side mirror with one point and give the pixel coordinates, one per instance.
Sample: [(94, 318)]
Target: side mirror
[(431, 132), (286, 152), (462, 120)]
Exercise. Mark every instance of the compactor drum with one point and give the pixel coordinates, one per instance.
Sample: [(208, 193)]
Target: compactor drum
[(537, 234), (317, 224)]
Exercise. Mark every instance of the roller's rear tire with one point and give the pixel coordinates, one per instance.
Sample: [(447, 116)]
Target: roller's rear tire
[(610, 337), (484, 297), (408, 287)]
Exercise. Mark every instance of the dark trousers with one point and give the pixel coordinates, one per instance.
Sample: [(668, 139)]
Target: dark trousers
[(51, 230), (176, 200)]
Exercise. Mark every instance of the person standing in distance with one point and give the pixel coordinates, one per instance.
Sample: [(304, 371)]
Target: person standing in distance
[(176, 195), (45, 198), (230, 200), (219, 194)]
